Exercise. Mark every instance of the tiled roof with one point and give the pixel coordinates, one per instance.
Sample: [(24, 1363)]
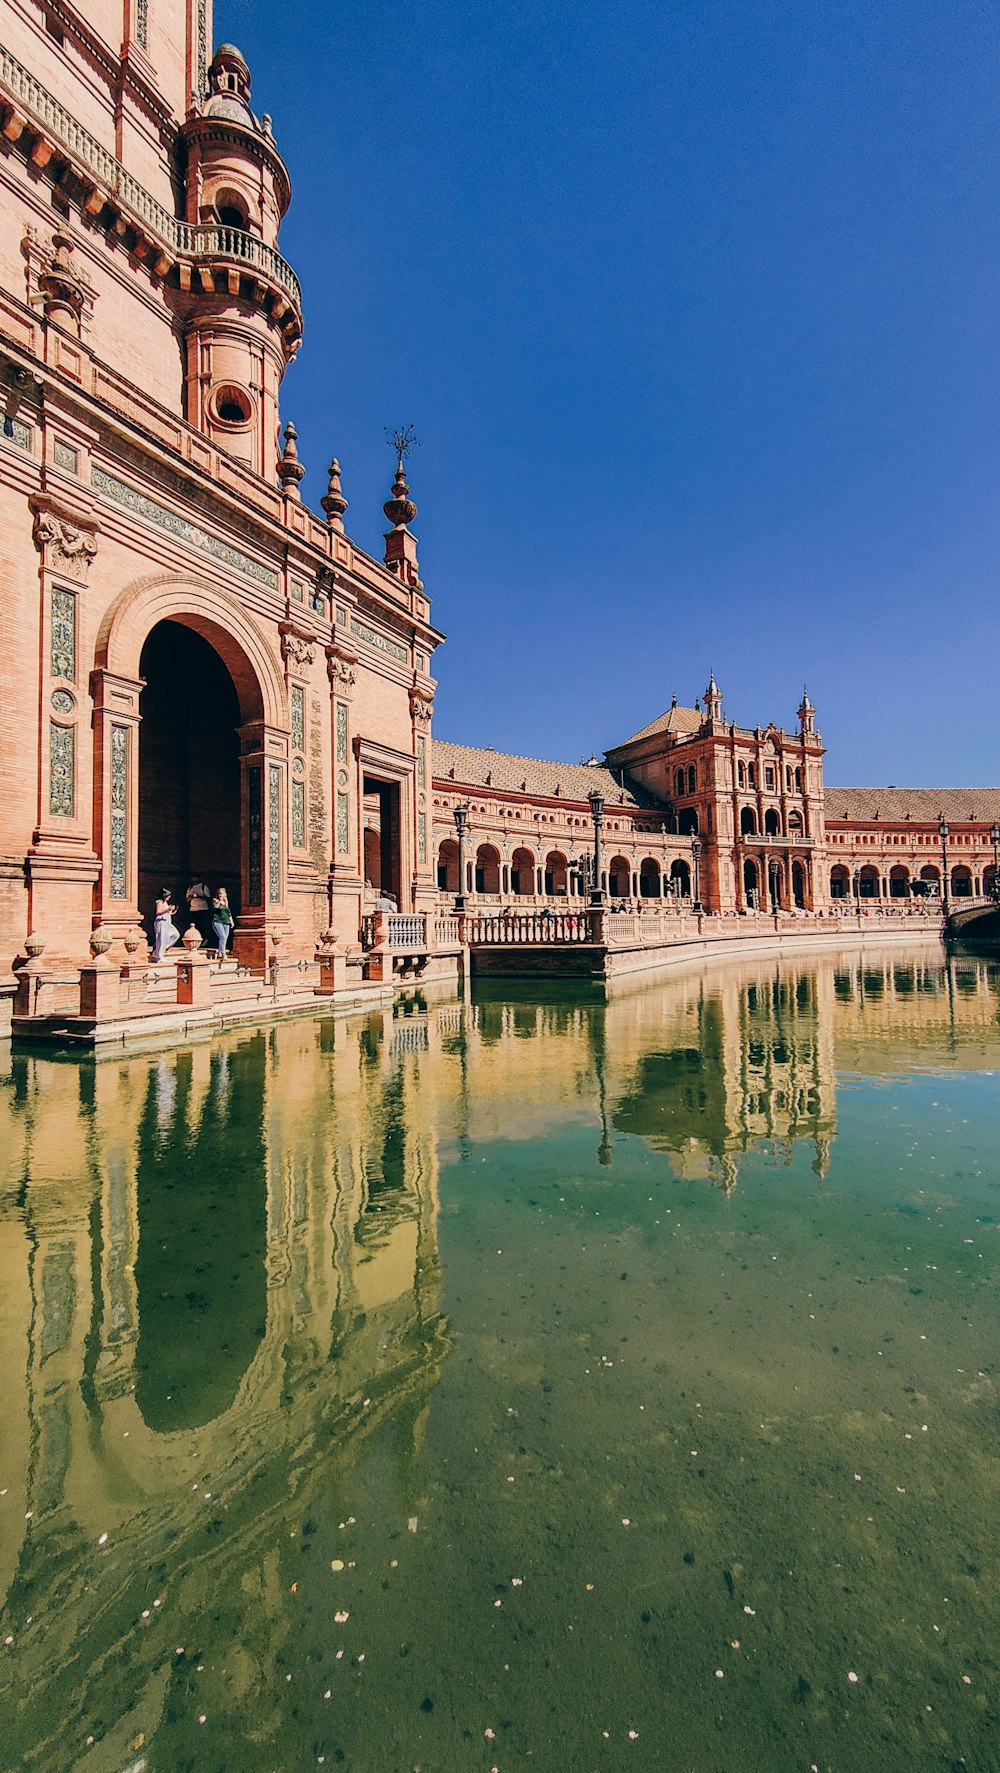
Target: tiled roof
[(680, 722), (923, 806), (469, 766)]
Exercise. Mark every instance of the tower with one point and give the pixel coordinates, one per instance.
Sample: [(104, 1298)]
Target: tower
[(807, 716), (713, 699), (240, 305)]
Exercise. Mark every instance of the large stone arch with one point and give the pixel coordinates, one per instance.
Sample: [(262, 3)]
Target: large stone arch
[(216, 615), (252, 661)]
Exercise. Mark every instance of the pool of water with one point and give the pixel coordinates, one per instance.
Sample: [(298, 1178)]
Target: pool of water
[(542, 1380)]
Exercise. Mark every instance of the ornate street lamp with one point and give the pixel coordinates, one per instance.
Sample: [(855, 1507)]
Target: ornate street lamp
[(774, 875), (596, 800), (944, 830), (461, 827), (696, 859)]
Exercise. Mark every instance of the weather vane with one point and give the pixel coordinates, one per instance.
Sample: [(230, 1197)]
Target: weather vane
[(403, 440)]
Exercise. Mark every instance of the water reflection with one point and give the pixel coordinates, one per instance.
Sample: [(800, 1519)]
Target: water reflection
[(220, 1273)]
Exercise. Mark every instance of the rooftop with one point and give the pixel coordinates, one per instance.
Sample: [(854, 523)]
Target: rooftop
[(680, 722), (922, 806), (470, 766)]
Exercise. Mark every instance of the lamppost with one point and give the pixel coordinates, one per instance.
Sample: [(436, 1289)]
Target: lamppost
[(995, 841), (461, 827), (696, 859), (943, 832), (774, 875), (596, 800)]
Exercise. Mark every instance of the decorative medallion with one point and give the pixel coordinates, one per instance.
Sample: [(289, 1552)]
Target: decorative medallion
[(62, 702)]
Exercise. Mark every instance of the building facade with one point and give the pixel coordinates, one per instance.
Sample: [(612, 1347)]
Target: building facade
[(699, 813), (201, 676)]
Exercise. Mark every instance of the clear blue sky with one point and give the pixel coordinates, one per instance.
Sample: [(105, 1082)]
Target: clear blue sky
[(695, 307)]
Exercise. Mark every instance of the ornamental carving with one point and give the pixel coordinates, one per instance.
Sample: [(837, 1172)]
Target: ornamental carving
[(341, 663), (297, 650), (421, 706), (70, 549)]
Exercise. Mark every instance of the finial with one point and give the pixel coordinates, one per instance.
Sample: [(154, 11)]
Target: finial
[(334, 502), (400, 508), (290, 469)]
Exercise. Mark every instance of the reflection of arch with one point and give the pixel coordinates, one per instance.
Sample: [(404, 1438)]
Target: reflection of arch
[(680, 874), (487, 869), (748, 822), (555, 872), (447, 866), (522, 872), (899, 882), (620, 878), (771, 822), (840, 882), (649, 878), (213, 614)]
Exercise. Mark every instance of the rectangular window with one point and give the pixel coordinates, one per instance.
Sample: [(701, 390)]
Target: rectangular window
[(63, 642), (298, 717), (769, 778), (343, 834), (341, 732), (299, 815), (62, 770)]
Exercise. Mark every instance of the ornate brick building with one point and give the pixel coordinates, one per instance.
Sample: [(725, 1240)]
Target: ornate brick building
[(201, 676)]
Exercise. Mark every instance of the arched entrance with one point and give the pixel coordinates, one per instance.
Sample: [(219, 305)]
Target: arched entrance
[(522, 873), (189, 770), (680, 878), (751, 885), (798, 885)]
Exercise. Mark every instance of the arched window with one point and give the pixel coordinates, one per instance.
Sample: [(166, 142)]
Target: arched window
[(680, 875), (794, 824), (692, 779), (649, 878), (961, 883), (798, 781), (679, 781), (748, 822), (619, 878), (840, 882), (798, 886), (868, 883), (447, 866), (771, 825), (751, 884), (487, 869), (741, 774), (522, 873), (555, 873), (751, 775), (899, 882), (687, 822)]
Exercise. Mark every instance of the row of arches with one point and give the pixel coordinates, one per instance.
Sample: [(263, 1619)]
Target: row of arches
[(772, 823), (899, 883), (780, 889), (557, 875)]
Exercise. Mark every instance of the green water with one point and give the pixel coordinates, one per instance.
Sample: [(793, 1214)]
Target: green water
[(537, 1381)]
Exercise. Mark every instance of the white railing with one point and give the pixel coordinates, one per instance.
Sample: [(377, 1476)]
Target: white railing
[(406, 930), (186, 239), (447, 931), (521, 929)]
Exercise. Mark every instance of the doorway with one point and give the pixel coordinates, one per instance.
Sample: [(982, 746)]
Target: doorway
[(382, 845), (189, 770)]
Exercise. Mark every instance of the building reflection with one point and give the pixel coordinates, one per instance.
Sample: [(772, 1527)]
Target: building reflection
[(220, 1267)]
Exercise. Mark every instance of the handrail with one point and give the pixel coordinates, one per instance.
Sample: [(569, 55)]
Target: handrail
[(187, 239)]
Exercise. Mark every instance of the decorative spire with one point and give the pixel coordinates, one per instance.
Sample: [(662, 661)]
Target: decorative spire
[(290, 469), (713, 698), (807, 713), (400, 508), (334, 502)]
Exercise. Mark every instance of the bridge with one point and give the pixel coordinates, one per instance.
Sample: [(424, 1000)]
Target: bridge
[(979, 916)]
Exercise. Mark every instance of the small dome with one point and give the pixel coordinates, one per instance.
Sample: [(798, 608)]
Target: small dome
[(229, 104)]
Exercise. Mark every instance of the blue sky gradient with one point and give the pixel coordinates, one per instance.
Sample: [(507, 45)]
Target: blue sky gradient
[(694, 309)]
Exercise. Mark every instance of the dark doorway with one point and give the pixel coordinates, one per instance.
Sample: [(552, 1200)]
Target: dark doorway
[(383, 868), (189, 769)]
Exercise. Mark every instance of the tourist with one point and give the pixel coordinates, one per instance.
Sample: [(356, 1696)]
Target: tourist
[(222, 921), (199, 900), (165, 931)]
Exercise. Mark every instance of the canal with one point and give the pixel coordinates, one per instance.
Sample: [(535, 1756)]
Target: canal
[(543, 1380)]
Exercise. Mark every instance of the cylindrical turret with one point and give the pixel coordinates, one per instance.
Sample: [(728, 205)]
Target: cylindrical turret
[(240, 304)]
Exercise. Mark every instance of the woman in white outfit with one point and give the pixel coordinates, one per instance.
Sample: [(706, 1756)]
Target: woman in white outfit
[(165, 930)]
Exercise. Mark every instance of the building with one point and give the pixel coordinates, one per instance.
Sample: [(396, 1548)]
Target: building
[(698, 812), (201, 676)]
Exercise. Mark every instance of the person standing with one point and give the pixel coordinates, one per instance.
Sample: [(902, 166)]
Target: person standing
[(222, 921), (165, 931), (199, 900)]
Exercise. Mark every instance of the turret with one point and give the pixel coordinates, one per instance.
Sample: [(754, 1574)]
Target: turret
[(713, 699), (807, 716), (241, 306)]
